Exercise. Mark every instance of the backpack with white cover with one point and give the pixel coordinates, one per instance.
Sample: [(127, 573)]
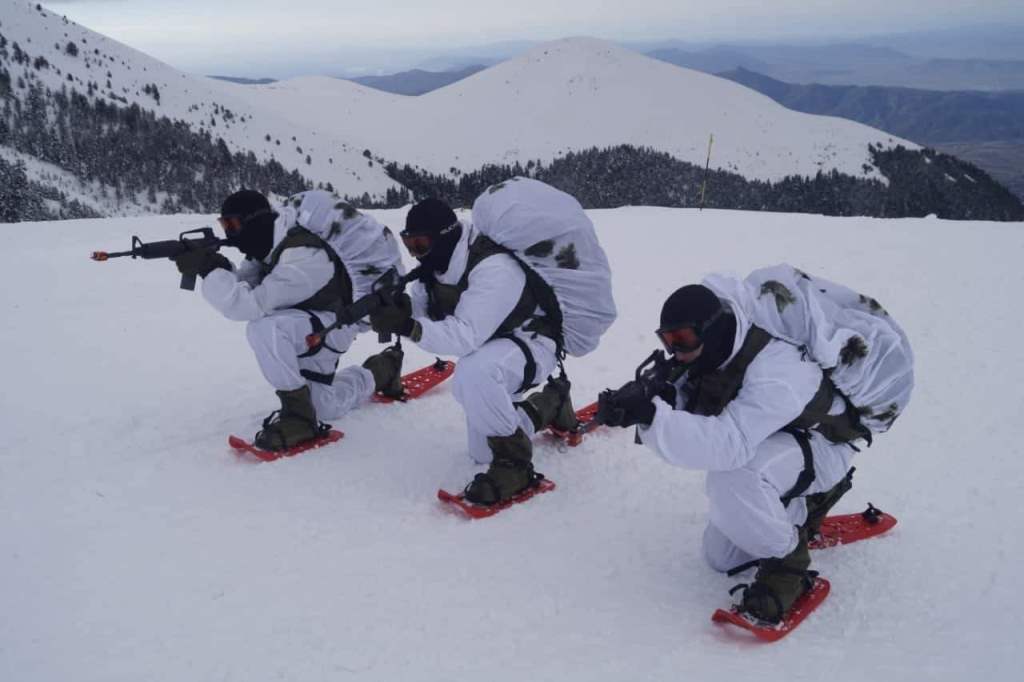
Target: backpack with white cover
[(366, 248), (864, 351), (546, 230)]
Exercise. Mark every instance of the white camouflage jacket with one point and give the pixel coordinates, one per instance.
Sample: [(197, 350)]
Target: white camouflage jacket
[(494, 289), (300, 273), (777, 386)]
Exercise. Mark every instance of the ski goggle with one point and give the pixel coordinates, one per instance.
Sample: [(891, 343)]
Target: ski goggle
[(418, 245), (680, 340), (688, 336), (232, 224)]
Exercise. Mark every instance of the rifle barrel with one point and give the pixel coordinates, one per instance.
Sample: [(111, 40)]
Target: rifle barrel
[(104, 255)]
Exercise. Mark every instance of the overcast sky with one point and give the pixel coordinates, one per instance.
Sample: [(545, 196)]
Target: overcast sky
[(283, 37)]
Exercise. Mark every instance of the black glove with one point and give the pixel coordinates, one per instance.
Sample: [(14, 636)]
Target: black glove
[(668, 393), (395, 317), (628, 406), (200, 262)]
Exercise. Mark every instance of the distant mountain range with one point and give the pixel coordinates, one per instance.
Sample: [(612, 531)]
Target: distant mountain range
[(925, 116), (986, 128), (245, 81), (417, 81), (854, 65), (90, 126)]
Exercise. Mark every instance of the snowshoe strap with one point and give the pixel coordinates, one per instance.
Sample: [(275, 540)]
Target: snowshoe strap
[(758, 590), (492, 488), (271, 427), (742, 567), (872, 514), (495, 494)]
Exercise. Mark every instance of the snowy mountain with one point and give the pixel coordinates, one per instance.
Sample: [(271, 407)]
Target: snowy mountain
[(63, 56), (574, 94), (138, 547), (90, 127)]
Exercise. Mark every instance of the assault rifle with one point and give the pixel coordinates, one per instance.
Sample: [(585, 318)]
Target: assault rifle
[(650, 380), (382, 293), (169, 249)]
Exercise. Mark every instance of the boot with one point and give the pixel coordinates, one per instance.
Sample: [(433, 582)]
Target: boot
[(778, 583), (386, 368), (511, 471), (293, 424), (819, 504), (551, 407)]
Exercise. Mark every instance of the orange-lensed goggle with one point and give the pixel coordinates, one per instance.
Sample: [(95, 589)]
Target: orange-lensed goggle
[(230, 223), (234, 223), (680, 340), (419, 245)]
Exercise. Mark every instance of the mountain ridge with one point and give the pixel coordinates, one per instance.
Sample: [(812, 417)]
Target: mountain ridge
[(160, 140), (68, 57)]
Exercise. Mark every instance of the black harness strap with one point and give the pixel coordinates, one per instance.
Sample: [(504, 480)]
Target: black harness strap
[(318, 328), (530, 371), (337, 290), (807, 476), (308, 374), (319, 378)]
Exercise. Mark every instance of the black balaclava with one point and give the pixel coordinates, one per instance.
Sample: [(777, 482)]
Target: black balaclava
[(435, 218), (696, 305), (256, 237)]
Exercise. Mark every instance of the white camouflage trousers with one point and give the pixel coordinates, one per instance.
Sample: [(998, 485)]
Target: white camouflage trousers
[(485, 384), (279, 339), (747, 520)]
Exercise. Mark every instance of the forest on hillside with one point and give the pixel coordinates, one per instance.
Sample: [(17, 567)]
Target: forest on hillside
[(919, 183)]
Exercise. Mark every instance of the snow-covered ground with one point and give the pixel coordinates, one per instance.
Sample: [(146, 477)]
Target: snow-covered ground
[(137, 547)]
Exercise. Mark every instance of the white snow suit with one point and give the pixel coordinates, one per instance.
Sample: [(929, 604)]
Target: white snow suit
[(750, 463), (489, 372), (277, 332)]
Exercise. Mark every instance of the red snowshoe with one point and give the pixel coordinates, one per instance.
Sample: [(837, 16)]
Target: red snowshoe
[(460, 504), (243, 446), (771, 632), (415, 384)]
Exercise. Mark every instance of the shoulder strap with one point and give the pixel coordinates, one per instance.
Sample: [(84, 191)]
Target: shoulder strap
[(537, 293), (340, 286), (713, 391)]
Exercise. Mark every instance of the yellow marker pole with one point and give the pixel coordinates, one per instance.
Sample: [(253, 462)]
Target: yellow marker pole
[(704, 184)]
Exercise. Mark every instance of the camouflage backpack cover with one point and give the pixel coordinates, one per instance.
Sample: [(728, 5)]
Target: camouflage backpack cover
[(851, 337), (548, 231), (366, 248)]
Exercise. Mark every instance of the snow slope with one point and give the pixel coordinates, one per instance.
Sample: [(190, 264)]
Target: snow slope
[(567, 95), (574, 94), (137, 547), (204, 103)]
